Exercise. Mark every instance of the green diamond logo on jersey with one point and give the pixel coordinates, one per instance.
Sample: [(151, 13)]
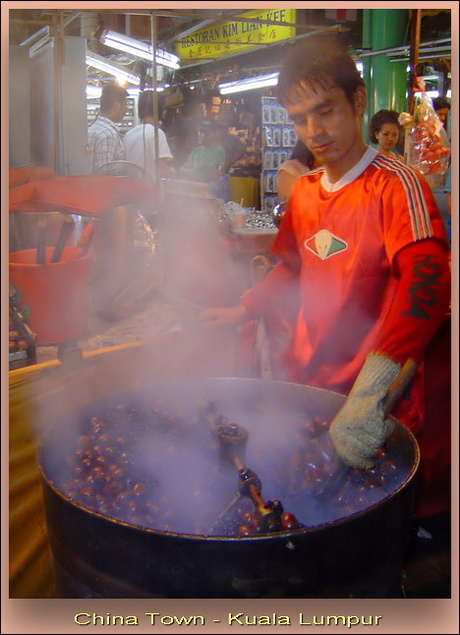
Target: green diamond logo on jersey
[(324, 244)]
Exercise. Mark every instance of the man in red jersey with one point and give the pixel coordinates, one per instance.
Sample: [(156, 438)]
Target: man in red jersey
[(364, 241)]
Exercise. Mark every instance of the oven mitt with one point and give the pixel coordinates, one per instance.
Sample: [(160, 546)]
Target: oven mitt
[(360, 428)]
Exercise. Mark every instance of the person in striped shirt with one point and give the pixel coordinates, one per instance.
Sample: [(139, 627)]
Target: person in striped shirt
[(104, 141), (363, 241)]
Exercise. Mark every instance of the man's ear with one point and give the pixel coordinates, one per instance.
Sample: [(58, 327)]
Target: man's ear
[(360, 100)]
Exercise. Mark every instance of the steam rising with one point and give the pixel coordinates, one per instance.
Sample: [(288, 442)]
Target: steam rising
[(173, 476)]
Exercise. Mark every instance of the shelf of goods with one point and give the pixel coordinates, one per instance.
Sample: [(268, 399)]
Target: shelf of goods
[(278, 140)]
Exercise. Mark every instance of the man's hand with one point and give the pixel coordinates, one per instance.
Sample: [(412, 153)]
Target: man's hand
[(225, 316), (359, 430), (361, 427)]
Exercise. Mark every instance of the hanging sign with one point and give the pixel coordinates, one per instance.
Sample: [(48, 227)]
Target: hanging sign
[(341, 15), (224, 38)]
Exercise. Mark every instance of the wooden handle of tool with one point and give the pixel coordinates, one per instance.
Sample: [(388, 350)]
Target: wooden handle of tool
[(399, 385)]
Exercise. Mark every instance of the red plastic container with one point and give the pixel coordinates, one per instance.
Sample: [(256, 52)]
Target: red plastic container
[(56, 293)]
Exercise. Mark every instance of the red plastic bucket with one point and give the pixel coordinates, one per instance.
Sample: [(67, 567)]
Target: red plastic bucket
[(55, 293)]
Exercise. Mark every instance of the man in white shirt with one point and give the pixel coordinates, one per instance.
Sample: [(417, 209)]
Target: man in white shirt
[(104, 141), (139, 142)]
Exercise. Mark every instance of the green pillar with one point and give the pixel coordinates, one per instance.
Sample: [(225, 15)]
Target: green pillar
[(386, 81)]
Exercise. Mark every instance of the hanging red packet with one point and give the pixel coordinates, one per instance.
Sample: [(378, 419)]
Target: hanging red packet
[(429, 148)]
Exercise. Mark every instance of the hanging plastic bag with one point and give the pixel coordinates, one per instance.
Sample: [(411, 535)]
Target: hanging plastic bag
[(429, 147)]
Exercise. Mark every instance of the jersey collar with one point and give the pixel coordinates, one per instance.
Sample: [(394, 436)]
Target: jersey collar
[(352, 174)]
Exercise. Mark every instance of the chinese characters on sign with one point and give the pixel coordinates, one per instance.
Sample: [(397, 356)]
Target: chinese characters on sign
[(231, 37)]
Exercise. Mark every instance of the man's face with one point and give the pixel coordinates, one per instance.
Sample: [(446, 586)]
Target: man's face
[(120, 109), (206, 137), (329, 125)]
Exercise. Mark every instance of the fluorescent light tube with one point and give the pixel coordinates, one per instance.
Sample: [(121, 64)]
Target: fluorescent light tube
[(135, 92), (250, 83), (430, 93), (137, 48), (93, 92), (40, 44), (112, 69), (41, 33)]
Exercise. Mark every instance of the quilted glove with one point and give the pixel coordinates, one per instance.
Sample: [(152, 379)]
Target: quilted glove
[(360, 428)]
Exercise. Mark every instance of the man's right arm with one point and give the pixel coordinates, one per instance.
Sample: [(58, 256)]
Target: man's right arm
[(281, 283), (261, 299)]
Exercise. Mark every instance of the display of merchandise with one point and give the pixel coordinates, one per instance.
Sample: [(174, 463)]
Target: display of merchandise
[(278, 140)]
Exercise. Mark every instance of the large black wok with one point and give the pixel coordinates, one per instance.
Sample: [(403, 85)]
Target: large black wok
[(357, 554)]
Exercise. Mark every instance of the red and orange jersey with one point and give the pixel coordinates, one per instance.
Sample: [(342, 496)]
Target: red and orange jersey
[(342, 239)]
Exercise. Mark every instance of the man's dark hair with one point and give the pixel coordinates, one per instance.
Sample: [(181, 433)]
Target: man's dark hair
[(208, 124), (112, 94), (379, 119), (440, 102), (145, 105), (320, 60)]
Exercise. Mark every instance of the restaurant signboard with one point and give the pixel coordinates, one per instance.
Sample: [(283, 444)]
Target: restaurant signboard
[(263, 26)]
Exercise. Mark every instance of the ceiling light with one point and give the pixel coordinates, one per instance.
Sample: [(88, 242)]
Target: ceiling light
[(137, 48), (94, 92), (431, 93), (40, 44), (42, 37), (135, 92), (41, 33), (112, 69), (250, 83)]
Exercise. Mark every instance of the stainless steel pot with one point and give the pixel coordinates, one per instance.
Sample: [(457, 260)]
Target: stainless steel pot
[(358, 555)]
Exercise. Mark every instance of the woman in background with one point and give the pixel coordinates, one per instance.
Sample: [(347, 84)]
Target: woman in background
[(385, 131)]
